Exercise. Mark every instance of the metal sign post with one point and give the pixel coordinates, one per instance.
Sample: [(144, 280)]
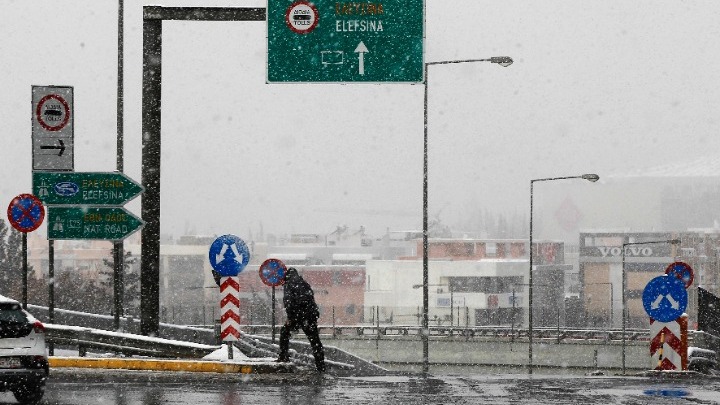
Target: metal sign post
[(153, 16), (272, 273), (235, 256), (25, 213)]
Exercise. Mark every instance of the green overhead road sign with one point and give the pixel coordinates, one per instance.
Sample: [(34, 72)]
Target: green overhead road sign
[(104, 223), (84, 188), (335, 41)]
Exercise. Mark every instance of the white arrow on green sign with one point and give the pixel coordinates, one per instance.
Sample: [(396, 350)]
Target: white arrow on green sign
[(84, 188), (104, 223), (339, 41)]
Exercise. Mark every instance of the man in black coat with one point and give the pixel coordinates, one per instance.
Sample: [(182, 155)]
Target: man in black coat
[(302, 312)]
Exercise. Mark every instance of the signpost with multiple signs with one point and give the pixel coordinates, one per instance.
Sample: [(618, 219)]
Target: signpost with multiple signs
[(80, 205), (52, 128), (665, 300), (331, 41), (88, 205)]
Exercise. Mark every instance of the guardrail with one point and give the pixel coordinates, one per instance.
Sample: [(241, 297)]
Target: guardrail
[(499, 332), (128, 344), (207, 335)]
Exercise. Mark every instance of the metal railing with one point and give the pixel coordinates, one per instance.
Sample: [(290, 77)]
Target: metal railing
[(128, 344), (497, 332)]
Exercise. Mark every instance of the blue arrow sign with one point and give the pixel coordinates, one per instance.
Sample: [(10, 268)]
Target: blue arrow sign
[(665, 298), (229, 255)]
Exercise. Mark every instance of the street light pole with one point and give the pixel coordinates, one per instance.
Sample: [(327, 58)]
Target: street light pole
[(624, 287), (589, 177), (502, 61)]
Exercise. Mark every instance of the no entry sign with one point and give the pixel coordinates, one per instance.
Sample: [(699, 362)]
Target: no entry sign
[(25, 213)]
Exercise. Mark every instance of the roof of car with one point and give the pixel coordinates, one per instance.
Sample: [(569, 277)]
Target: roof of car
[(4, 299)]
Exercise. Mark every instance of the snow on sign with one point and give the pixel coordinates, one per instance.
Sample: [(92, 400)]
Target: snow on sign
[(668, 344), (329, 41), (229, 309), (665, 298), (52, 128), (234, 252), (272, 272), (25, 213), (682, 271)]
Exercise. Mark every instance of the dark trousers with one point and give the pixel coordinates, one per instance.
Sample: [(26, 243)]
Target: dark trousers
[(311, 331)]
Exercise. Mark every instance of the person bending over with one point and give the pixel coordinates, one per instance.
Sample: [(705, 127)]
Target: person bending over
[(302, 313)]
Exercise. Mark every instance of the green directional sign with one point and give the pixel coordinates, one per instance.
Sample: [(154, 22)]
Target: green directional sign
[(336, 41), (105, 223), (84, 188)]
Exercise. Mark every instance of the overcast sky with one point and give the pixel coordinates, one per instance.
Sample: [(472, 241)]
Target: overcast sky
[(597, 86)]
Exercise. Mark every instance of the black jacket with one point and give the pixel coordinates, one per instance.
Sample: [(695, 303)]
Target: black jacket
[(298, 298)]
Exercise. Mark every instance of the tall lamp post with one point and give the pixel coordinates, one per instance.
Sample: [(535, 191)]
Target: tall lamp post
[(589, 177), (624, 287), (502, 61)]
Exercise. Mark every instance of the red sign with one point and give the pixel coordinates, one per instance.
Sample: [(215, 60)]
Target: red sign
[(682, 271), (272, 272), (302, 17), (52, 112), (25, 213)]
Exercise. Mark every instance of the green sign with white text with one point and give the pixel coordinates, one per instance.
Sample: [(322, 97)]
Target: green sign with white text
[(84, 188), (104, 223), (336, 41)]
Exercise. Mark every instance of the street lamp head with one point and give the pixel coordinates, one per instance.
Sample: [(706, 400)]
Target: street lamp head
[(674, 241), (591, 177), (503, 61)]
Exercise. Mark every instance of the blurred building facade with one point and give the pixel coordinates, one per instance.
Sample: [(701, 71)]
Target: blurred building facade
[(601, 271)]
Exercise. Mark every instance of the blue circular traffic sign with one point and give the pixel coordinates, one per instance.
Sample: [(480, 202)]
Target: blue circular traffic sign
[(25, 213), (665, 298), (272, 272), (229, 255)]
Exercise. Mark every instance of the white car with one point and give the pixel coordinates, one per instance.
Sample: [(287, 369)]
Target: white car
[(24, 364)]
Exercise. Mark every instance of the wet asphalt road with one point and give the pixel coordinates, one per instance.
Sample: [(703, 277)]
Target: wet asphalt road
[(80, 387)]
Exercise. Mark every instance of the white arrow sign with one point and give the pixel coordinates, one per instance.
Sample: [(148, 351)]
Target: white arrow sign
[(656, 304), (360, 50), (675, 305)]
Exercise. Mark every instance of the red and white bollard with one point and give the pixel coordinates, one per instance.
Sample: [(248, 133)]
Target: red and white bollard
[(229, 311), (668, 344)]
